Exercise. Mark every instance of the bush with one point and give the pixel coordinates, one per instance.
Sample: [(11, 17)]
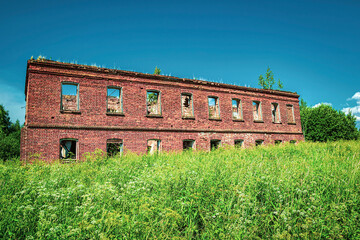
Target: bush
[(9, 145), (324, 123)]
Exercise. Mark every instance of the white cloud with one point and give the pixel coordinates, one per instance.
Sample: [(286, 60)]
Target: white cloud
[(13, 99), (355, 97), (356, 109), (324, 103)]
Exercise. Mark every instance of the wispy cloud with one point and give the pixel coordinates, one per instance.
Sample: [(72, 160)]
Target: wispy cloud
[(324, 103), (356, 109), (13, 100)]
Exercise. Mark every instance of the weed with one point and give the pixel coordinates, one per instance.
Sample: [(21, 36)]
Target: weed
[(308, 190)]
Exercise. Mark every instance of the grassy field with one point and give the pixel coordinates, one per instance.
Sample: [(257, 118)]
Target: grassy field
[(308, 191)]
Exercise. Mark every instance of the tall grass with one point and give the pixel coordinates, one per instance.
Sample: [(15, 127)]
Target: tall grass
[(309, 190)]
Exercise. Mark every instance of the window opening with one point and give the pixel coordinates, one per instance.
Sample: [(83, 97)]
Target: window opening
[(277, 142), (214, 109), (292, 141), (69, 97), (114, 100), (214, 144), (259, 142), (187, 105), (257, 111), (236, 109), (275, 113), (188, 144), (290, 113), (153, 146), (153, 103), (114, 147), (68, 149), (238, 143)]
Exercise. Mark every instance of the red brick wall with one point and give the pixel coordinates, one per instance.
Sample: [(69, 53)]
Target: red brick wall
[(43, 109), (47, 141)]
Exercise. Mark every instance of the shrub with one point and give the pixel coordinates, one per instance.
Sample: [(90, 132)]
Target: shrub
[(324, 123)]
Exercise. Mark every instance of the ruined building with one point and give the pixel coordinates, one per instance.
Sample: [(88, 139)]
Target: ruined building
[(72, 109)]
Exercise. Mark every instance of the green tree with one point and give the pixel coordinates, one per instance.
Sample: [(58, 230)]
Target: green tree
[(324, 123), (269, 82), (157, 71), (9, 136), (4, 120)]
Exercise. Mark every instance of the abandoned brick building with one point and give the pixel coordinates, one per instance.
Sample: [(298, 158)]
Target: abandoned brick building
[(72, 109)]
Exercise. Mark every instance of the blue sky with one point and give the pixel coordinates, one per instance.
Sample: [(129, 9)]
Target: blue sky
[(312, 46)]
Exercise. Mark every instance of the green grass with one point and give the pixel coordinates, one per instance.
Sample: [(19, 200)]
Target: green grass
[(307, 191)]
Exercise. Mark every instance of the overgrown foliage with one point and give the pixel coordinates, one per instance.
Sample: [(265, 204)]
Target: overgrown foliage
[(287, 191), (9, 136), (324, 123), (269, 82), (157, 71)]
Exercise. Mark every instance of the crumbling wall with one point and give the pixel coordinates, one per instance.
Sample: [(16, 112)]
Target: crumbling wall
[(92, 125), (187, 105), (114, 104), (69, 102)]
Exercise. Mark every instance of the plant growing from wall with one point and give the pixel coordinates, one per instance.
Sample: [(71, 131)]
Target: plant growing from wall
[(157, 71), (269, 82)]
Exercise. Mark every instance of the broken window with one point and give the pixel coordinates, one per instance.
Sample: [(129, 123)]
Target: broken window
[(259, 142), (114, 147), (290, 113), (114, 100), (292, 141), (187, 105), (153, 103), (238, 143), (277, 142), (214, 144), (257, 111), (69, 97), (236, 109), (275, 113), (214, 109), (188, 144), (153, 146), (68, 149)]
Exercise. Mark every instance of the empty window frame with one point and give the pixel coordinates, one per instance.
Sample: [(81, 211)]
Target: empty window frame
[(259, 142), (214, 108), (293, 141), (238, 143), (153, 103), (187, 107), (257, 111), (69, 96), (114, 100), (236, 109), (290, 113), (215, 144), (153, 146), (188, 144), (277, 142), (275, 113), (68, 149), (114, 147)]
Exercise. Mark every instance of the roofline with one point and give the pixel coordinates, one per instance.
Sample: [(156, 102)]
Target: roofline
[(80, 67)]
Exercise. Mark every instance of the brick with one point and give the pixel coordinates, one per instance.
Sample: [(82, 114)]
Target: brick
[(92, 125)]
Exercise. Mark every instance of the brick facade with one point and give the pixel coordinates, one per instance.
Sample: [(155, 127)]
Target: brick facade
[(52, 114)]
